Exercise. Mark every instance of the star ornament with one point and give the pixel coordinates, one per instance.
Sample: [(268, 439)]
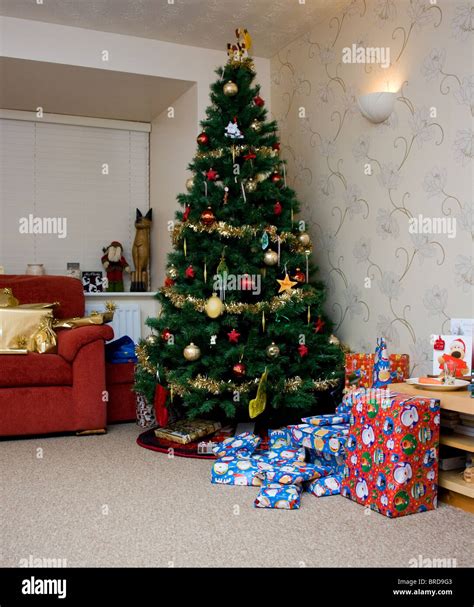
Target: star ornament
[(286, 284), (303, 350), (233, 336), (212, 175)]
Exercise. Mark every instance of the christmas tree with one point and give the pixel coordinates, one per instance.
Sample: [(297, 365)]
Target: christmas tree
[(241, 329)]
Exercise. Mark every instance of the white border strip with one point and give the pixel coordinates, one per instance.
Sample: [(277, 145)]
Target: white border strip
[(103, 123)]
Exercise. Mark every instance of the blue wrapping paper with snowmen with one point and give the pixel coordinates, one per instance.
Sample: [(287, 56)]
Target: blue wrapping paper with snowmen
[(290, 473), (328, 419), (284, 454), (381, 374), (274, 495), (328, 439), (279, 438), (235, 470), (244, 443), (334, 463), (328, 485)]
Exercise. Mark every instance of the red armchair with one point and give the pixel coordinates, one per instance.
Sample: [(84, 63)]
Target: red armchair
[(63, 392)]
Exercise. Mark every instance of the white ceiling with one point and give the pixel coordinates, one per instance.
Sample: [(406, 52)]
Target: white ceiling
[(81, 91), (203, 23)]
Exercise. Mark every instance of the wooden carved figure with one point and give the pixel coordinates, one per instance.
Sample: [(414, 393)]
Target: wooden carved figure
[(141, 252)]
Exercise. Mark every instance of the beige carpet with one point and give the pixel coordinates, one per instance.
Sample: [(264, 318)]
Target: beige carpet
[(104, 501)]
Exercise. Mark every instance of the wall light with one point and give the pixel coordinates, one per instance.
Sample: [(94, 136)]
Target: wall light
[(377, 107)]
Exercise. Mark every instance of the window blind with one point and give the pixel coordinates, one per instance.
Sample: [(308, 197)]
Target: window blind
[(80, 182)]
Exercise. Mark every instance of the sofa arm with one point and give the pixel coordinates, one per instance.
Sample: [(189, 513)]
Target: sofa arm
[(70, 341)]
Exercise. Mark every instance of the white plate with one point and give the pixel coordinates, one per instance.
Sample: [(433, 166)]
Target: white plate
[(459, 384)]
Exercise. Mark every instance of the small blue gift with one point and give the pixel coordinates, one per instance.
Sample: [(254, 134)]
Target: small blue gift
[(291, 473), (233, 470), (327, 420), (328, 439), (244, 443), (328, 485), (274, 495)]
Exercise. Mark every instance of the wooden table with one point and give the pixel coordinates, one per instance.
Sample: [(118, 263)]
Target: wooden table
[(456, 491)]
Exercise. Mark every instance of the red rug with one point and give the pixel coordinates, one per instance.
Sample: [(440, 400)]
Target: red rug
[(148, 440)]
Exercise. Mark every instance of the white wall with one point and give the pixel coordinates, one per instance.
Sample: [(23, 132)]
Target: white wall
[(37, 41), (172, 145)]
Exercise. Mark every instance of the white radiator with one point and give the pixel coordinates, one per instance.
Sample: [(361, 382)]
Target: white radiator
[(126, 319)]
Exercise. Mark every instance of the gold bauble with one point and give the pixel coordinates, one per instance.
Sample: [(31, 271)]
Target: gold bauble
[(190, 183), (151, 339), (172, 272), (273, 350), (230, 89), (214, 306), (304, 239), (334, 341), (270, 258), (256, 125), (250, 185), (191, 352)]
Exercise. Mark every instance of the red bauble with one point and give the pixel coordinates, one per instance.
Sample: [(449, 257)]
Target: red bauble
[(276, 147), (239, 370), (233, 336), (439, 344), (277, 208), (303, 350), (189, 272), (187, 210), (250, 156), (299, 276), (276, 178), (318, 325), (259, 102), (169, 282), (212, 175), (166, 334), (203, 138), (246, 283), (208, 217)]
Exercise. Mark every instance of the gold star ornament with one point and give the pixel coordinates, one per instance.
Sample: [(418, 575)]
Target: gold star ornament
[(286, 284)]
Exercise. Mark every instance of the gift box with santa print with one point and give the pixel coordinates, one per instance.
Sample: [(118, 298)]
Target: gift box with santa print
[(392, 452)]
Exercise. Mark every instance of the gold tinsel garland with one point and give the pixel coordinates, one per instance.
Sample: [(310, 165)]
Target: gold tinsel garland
[(237, 150), (229, 231), (274, 304), (218, 387)]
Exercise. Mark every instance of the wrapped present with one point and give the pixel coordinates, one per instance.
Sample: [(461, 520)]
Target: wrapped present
[(334, 463), (27, 328), (360, 369), (392, 453), (274, 495), (381, 371), (287, 454), (290, 473), (244, 443), (233, 470), (328, 439), (279, 438), (145, 412), (185, 431), (328, 485), (327, 420)]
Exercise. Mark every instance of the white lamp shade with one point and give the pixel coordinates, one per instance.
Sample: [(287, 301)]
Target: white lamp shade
[(377, 107)]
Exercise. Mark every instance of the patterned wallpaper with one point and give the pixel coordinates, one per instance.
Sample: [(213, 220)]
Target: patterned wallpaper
[(363, 185)]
